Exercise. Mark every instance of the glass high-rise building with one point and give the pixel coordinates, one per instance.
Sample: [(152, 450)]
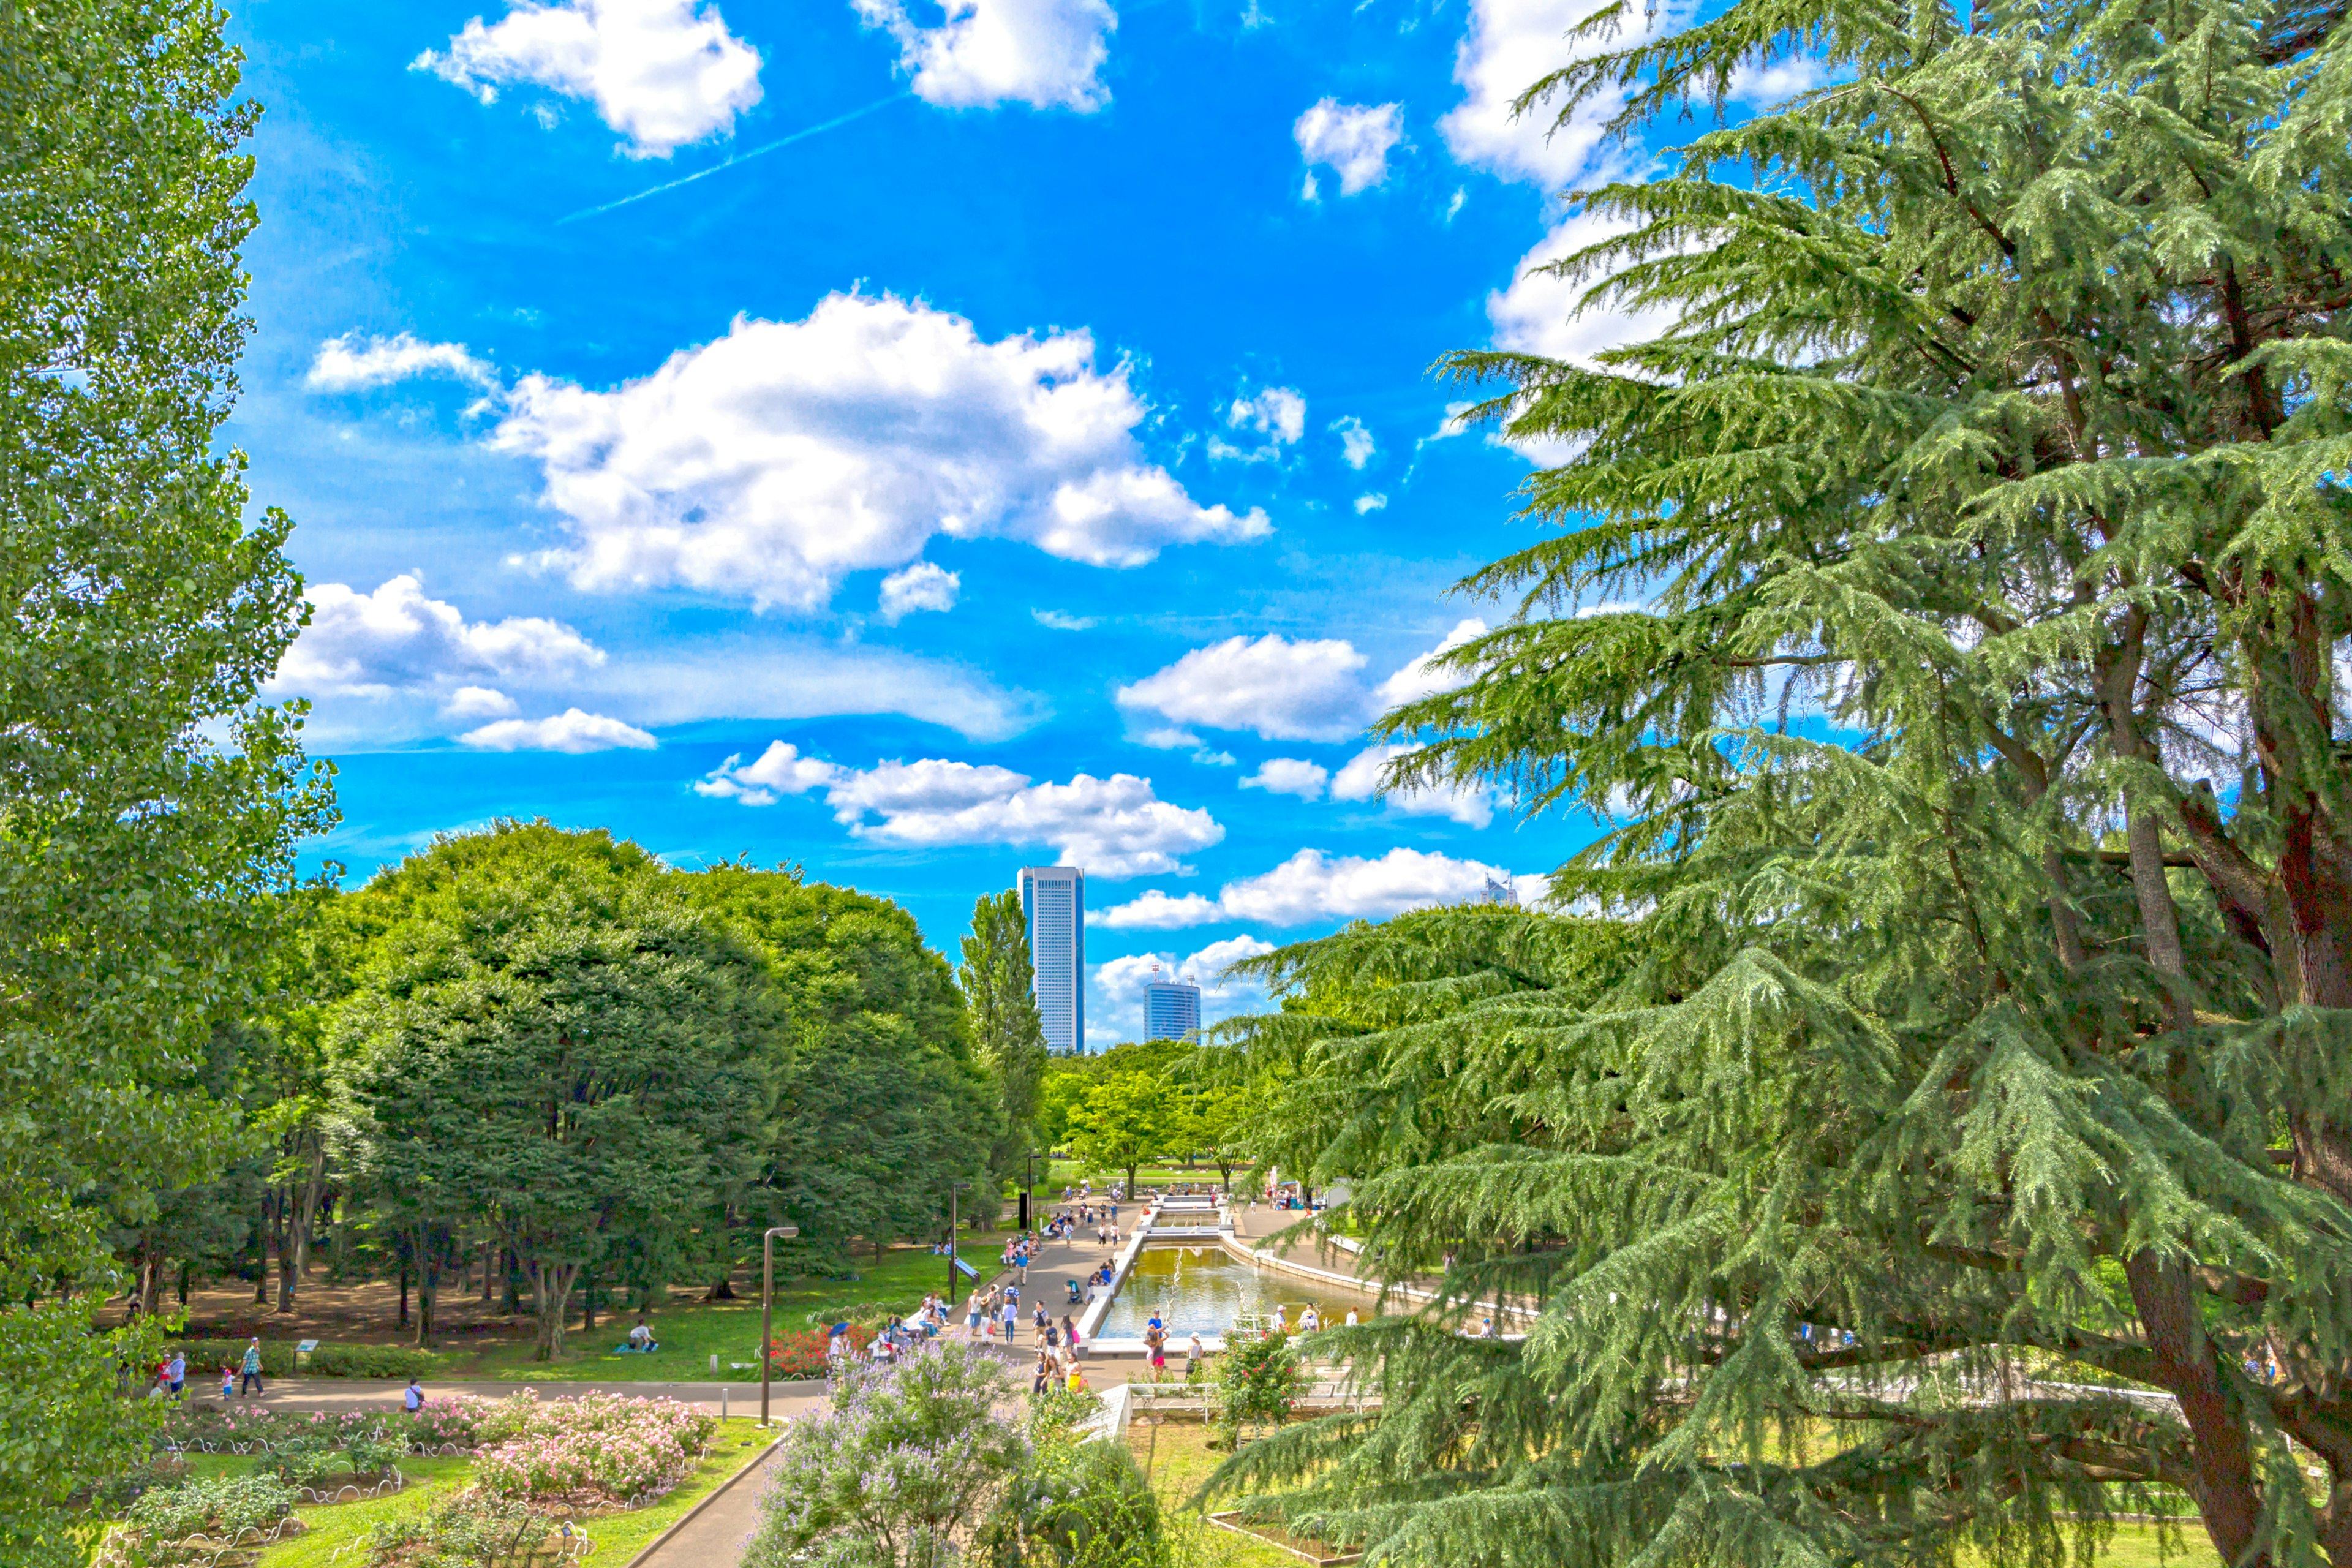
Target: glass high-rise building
[(1172, 1010), (1054, 899)]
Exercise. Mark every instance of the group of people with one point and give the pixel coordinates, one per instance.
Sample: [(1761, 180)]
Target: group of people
[(237, 1378)]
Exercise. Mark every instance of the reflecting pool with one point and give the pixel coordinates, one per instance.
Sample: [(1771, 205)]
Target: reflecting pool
[(1201, 1289)]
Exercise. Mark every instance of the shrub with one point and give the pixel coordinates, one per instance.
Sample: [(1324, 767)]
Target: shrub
[(448, 1420), (302, 1464), (120, 1489), (218, 1506), (370, 1361), (467, 1531), (1257, 1381), (1076, 1505), (804, 1355), (597, 1445)]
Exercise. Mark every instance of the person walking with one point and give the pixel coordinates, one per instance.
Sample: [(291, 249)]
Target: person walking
[(1193, 1352), (412, 1399), (1042, 1323), (228, 1382), (1011, 1319), (1043, 1378), (250, 1372), (177, 1371)]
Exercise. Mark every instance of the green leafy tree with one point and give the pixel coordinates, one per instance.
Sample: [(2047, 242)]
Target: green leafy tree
[(148, 805), (881, 1104), (542, 1033), (1127, 1118), (1968, 1078), (1008, 1039)]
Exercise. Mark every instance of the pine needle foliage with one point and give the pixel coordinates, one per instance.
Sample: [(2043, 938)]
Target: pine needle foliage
[(1939, 1140)]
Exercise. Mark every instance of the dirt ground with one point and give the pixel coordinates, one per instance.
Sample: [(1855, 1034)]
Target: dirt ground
[(363, 1312)]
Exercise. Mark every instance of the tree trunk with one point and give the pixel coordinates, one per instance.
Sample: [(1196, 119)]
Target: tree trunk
[(401, 1322), (429, 1278), (551, 1293), (489, 1251), (261, 1229)]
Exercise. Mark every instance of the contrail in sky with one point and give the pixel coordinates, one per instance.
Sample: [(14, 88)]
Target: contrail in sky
[(837, 120)]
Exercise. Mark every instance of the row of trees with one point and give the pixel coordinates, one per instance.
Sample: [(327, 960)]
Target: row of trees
[(545, 1052), (1136, 1105)]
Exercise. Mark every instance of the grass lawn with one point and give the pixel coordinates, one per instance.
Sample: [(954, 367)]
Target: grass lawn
[(1068, 1173), (1182, 1460), (691, 1332), (618, 1536)]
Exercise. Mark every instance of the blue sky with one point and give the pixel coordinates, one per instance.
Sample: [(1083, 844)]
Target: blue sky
[(1033, 458)]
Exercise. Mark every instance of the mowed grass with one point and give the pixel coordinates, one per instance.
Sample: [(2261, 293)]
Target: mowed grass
[(1180, 1460), (691, 1332)]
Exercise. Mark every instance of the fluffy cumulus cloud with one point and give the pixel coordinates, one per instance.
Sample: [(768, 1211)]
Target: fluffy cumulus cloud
[(1420, 677), (570, 730), (1115, 826), (1115, 991), (1290, 775), (1541, 313), (1361, 780), (787, 454), (353, 363), (922, 586), (1045, 53), (399, 639), (1312, 690), (661, 72), (1286, 691), (1510, 43), (1351, 140), (1312, 888)]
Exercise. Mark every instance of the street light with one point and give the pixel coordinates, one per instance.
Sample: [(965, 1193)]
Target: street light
[(768, 1307), (1029, 1188), (953, 1188)]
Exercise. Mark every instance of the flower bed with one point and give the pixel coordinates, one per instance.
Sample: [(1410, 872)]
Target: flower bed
[(199, 1521), (804, 1354), (597, 1449)]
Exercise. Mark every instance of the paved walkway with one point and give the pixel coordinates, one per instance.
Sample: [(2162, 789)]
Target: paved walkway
[(304, 1394), (716, 1537)]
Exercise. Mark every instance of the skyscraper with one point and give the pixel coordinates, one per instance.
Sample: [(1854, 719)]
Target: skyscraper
[(1054, 899), (1172, 1010)]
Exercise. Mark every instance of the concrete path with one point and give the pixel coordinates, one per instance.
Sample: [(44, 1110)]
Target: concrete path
[(303, 1395), (714, 1538)]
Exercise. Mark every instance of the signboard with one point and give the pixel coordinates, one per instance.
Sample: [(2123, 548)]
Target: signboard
[(304, 1347), (966, 1270)]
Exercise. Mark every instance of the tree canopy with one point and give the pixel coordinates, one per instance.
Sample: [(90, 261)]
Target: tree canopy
[(1941, 1145)]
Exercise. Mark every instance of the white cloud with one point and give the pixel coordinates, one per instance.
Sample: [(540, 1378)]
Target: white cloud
[(1276, 412), (1371, 502), (661, 72), (1115, 991), (922, 586), (1509, 44), (398, 639), (786, 454), (1350, 139), (1168, 740), (478, 703), (1209, 759), (1312, 887), (1044, 53), (1063, 623), (1537, 313), (353, 363), (1283, 691), (1418, 679), (1155, 911), (570, 730), (1286, 691), (1361, 780), (1356, 443), (1115, 826), (1289, 775)]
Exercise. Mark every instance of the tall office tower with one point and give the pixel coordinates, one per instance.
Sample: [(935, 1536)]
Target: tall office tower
[(1172, 1010), (1055, 897)]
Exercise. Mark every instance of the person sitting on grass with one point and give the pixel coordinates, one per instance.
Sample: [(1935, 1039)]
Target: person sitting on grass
[(640, 1337)]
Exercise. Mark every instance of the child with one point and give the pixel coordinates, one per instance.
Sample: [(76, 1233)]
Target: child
[(229, 1382)]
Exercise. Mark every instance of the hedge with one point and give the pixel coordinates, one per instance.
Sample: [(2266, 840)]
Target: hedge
[(206, 1358)]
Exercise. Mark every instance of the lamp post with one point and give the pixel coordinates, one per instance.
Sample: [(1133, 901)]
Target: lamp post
[(953, 1188), (768, 1307)]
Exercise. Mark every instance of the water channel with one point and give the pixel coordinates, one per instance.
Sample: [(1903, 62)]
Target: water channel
[(1201, 1289)]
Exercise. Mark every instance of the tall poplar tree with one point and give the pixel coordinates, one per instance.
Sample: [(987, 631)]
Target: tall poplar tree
[(1007, 1037), (149, 804), (1950, 1144)]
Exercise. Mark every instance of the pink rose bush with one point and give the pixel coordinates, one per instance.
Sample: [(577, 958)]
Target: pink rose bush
[(599, 1444)]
